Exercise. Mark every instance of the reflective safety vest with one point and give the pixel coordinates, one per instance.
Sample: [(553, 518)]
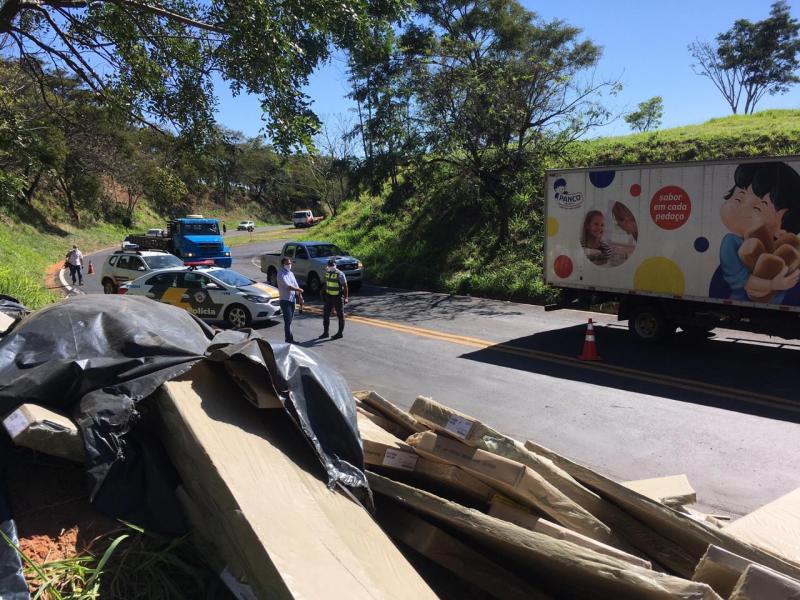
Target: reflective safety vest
[(332, 287)]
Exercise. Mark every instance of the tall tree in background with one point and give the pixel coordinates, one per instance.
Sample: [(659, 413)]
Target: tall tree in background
[(496, 86), (752, 59), (380, 76), (157, 59), (647, 115)]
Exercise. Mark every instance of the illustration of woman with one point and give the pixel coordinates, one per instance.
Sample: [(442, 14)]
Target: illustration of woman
[(595, 249)]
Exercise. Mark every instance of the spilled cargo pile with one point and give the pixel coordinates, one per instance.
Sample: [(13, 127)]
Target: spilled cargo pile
[(293, 487)]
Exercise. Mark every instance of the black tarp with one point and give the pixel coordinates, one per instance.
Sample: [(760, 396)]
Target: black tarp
[(95, 357), (12, 583)]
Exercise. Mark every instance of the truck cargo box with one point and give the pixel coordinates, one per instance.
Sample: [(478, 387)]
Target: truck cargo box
[(719, 234)]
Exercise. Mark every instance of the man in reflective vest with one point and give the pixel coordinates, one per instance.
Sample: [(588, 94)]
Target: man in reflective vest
[(335, 294)]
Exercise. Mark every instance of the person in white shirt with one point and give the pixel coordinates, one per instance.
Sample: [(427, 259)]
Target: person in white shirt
[(74, 260), (288, 290)]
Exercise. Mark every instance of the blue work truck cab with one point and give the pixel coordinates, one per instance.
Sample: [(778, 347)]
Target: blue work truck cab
[(191, 239)]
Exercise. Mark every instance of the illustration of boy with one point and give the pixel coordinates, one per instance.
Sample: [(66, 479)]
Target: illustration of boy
[(765, 198)]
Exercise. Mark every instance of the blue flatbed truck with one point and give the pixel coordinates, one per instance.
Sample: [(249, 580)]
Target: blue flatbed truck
[(190, 239)]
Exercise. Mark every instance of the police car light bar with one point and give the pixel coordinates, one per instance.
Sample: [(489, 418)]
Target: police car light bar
[(199, 263)]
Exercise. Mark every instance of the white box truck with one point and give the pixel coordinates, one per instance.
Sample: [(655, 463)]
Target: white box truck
[(691, 245)]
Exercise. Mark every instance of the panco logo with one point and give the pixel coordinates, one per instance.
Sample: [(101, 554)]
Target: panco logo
[(564, 198)]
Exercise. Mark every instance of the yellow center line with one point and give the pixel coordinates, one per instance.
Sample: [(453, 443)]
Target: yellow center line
[(599, 367)]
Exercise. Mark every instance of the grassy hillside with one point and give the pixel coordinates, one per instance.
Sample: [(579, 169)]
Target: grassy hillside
[(771, 132), (30, 243), (447, 243)]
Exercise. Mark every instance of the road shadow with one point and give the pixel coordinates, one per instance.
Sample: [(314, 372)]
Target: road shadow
[(420, 306), (740, 364)]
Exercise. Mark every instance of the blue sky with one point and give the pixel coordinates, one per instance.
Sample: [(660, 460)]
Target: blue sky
[(644, 46)]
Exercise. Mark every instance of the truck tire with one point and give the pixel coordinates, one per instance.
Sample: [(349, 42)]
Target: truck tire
[(355, 286), (313, 283), (649, 324), (109, 287), (237, 316), (272, 276)]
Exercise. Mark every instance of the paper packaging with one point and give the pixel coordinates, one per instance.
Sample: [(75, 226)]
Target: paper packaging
[(507, 510), (720, 569), (390, 411), (774, 527), (382, 448), (759, 583), (38, 428), (565, 570), (264, 495), (674, 490), (687, 537), (5, 322), (514, 480)]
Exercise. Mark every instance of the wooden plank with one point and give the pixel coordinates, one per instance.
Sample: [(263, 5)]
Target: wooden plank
[(265, 491), (759, 583), (774, 527), (513, 479), (672, 490), (454, 555), (507, 510), (692, 536), (561, 568), (390, 411)]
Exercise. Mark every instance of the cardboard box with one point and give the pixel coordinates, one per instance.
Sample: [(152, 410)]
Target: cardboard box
[(774, 527), (759, 583), (265, 498), (41, 429)]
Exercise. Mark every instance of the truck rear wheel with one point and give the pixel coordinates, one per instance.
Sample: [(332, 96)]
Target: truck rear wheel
[(314, 285), (649, 324), (272, 276)]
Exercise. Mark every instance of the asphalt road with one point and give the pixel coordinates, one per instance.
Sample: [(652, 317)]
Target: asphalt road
[(721, 410)]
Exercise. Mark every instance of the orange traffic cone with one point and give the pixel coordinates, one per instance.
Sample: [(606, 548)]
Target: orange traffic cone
[(90, 271), (589, 345)]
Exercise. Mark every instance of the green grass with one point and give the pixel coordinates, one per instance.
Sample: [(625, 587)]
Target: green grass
[(768, 133), (444, 239), (134, 564), (30, 244)]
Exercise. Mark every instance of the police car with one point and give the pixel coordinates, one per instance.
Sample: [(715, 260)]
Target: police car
[(210, 293)]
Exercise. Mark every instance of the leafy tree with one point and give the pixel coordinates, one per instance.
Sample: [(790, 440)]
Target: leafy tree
[(331, 169), (752, 59), (381, 77), (647, 116), (165, 190), (158, 60), (496, 86)]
